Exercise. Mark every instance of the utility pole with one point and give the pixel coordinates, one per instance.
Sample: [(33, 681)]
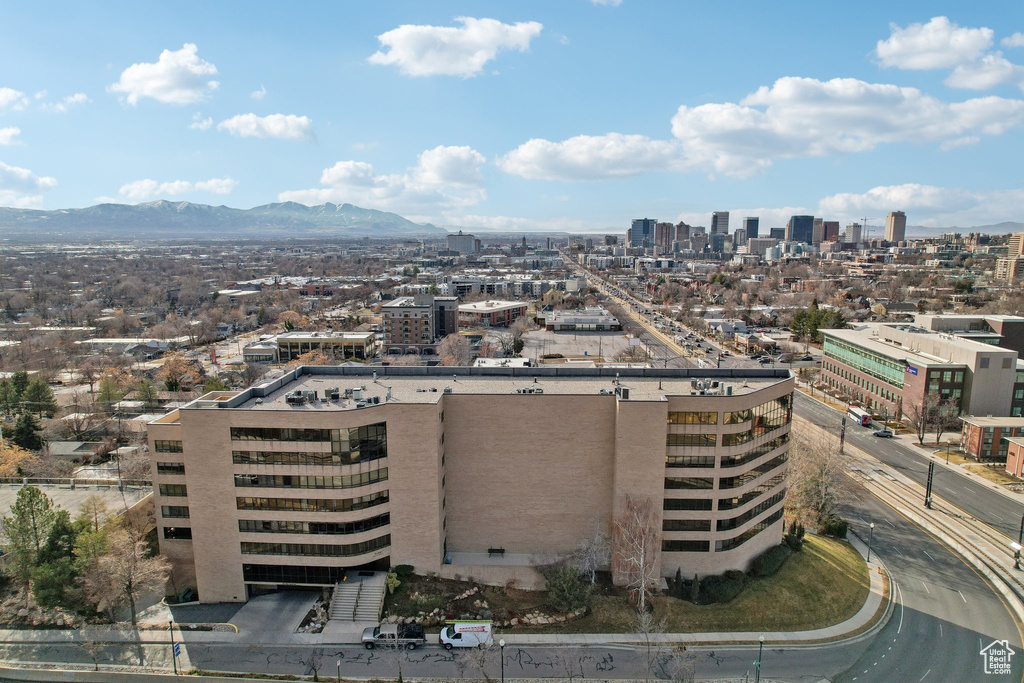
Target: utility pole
[(928, 488), (842, 435)]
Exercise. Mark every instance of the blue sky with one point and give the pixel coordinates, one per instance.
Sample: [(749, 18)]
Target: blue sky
[(570, 115)]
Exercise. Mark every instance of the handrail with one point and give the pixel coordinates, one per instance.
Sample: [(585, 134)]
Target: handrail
[(355, 606), (76, 481)]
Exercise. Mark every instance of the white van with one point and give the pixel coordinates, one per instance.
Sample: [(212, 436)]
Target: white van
[(467, 634)]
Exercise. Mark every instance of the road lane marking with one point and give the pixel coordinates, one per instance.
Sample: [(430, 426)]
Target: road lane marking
[(889, 523), (900, 590), (929, 556), (962, 597), (940, 629), (897, 550), (925, 675), (926, 590)]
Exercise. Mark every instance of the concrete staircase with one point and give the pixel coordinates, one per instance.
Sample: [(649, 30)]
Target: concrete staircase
[(360, 599)]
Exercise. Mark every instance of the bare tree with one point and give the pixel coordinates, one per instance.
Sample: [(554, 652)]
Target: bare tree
[(647, 628), (125, 573), (593, 554), (817, 479), (944, 417), (314, 661), (919, 414), (454, 350), (635, 548)]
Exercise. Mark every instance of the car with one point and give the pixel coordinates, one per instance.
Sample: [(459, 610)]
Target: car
[(884, 433), (808, 357), (766, 361), (726, 353)]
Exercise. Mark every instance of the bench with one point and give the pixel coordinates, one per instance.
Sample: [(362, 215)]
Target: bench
[(496, 551)]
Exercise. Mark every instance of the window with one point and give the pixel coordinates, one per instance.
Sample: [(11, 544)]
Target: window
[(1007, 363), (737, 416), (327, 528), (163, 446), (686, 525), (685, 546), (730, 543), (752, 494), (689, 482), (170, 468), (296, 481), (691, 418), (345, 438), (170, 511), (316, 549), (735, 482), (726, 524), (983, 363), (363, 454), (959, 376), (687, 504), (173, 490), (312, 504), (285, 574), (947, 376), (178, 533), (692, 440), (690, 461)]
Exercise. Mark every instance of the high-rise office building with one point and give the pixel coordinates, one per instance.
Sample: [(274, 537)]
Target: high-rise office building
[(462, 243), (818, 231), (852, 234), (739, 238), (800, 229), (716, 242), (682, 232), (663, 234), (830, 231), (895, 226), (641, 234), (720, 222), (1016, 245), (750, 225), (777, 234)]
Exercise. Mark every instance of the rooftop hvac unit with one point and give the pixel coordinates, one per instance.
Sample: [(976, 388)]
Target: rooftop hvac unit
[(728, 390), (357, 393), (622, 393), (447, 390)]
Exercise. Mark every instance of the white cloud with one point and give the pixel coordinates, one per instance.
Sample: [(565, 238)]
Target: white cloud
[(67, 102), (795, 117), (1016, 40), (606, 3), (991, 70), (12, 99), (939, 44), (143, 190), (20, 187), (443, 178), (927, 205), (8, 134), (178, 77), (516, 223), (278, 126), (451, 51), (591, 157), (199, 123), (259, 94)]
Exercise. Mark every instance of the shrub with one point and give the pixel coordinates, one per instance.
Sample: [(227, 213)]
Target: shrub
[(721, 588), (403, 571), (567, 588), (768, 562), (834, 527), (392, 582)]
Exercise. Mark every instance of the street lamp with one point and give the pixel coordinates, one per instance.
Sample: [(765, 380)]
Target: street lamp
[(501, 644), (871, 535), (757, 664)]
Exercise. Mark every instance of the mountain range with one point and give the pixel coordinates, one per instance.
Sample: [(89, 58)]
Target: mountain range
[(164, 219)]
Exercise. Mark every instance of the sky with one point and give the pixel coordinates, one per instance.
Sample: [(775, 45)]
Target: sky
[(576, 115)]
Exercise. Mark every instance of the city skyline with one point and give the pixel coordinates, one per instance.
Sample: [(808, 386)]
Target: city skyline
[(454, 114)]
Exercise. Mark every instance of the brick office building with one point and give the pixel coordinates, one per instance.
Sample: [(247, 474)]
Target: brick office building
[(326, 469)]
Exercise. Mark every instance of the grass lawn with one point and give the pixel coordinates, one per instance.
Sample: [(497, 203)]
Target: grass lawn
[(995, 473), (824, 584)]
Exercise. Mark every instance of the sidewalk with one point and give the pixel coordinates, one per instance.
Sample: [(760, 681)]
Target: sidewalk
[(862, 621)]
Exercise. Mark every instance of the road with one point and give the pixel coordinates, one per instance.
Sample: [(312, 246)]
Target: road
[(994, 509)]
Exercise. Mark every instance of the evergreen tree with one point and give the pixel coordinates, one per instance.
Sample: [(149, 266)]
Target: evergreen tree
[(8, 397), (146, 392), (214, 384), (27, 432), (53, 578), (27, 528), (108, 393), (39, 398), (20, 382)]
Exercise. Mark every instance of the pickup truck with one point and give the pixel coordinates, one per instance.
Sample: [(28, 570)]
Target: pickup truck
[(390, 635)]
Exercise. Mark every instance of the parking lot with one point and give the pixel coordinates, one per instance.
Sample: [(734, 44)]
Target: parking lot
[(539, 343)]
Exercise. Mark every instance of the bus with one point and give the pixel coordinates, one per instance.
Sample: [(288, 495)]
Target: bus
[(859, 415)]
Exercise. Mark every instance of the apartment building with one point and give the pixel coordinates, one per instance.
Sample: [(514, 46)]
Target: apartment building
[(415, 324), (892, 367), (490, 313), (330, 469), (1009, 269)]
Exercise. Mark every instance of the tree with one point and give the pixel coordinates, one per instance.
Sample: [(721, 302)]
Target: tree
[(178, 373), (635, 537), (487, 350), (314, 661), (214, 384), (648, 628), (145, 391), (93, 512), (919, 414), (567, 588), (312, 357), (593, 554), (8, 397), (14, 458), (38, 397), (27, 528), (408, 359), (53, 578), (27, 432), (252, 373), (944, 417), (20, 382), (817, 479), (109, 392), (125, 573), (454, 350)]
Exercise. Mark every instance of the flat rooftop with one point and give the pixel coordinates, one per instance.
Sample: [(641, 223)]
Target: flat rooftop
[(863, 338), (993, 421), (490, 306), (426, 385)]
